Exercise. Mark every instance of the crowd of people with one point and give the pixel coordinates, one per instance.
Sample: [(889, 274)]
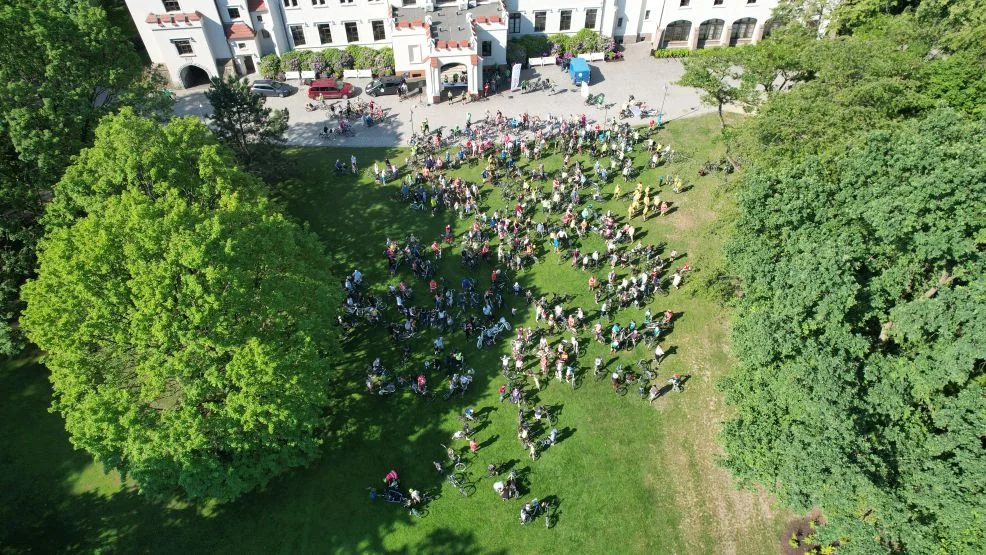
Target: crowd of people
[(544, 215)]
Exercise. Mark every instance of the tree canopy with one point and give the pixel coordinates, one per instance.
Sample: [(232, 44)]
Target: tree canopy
[(64, 68), (182, 320), (860, 335)]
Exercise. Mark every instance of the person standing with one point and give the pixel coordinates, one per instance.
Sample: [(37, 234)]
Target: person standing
[(658, 354)]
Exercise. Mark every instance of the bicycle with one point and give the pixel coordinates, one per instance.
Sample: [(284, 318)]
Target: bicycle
[(457, 483)]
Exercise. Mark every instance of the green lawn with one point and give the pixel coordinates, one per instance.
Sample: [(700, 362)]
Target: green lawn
[(627, 477)]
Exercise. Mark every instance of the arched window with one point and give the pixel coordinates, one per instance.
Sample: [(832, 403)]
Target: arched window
[(678, 31), (710, 30), (743, 28), (769, 27)]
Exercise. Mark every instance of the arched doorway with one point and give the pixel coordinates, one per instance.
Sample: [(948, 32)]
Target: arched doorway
[(454, 79), (742, 31), (676, 33), (710, 32), (193, 76)]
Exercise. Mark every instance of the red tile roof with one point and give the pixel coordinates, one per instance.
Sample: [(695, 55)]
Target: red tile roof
[(256, 6), (173, 18), (239, 30)]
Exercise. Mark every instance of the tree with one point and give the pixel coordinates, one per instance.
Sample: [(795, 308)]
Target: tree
[(183, 322), (861, 387), (64, 68), (242, 122), (775, 62), (815, 15), (714, 74)]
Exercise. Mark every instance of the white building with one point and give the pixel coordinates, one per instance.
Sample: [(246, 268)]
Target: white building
[(198, 39)]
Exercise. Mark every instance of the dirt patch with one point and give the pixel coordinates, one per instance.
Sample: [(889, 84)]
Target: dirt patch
[(797, 536)]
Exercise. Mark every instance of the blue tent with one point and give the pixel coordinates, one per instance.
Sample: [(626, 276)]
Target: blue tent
[(578, 70)]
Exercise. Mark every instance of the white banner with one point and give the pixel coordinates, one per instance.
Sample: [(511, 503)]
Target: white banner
[(515, 78), (585, 89)]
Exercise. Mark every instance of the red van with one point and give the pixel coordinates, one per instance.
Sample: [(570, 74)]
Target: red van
[(330, 88)]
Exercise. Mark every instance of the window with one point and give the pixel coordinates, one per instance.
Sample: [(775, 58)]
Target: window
[(378, 31), (171, 6), (743, 28), (678, 31), (590, 18), (619, 22), (324, 33), (298, 35), (751, 1), (234, 13), (515, 23), (540, 21), (716, 2), (183, 46), (346, 2), (487, 48), (414, 53), (290, 3), (710, 29), (566, 20), (352, 32), (684, 3), (647, 14), (410, 2), (318, 2), (241, 45), (260, 19)]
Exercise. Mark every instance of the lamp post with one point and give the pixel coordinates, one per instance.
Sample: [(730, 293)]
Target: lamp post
[(660, 114), (412, 120)]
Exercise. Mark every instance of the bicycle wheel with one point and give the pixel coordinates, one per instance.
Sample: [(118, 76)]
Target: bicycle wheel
[(460, 466)]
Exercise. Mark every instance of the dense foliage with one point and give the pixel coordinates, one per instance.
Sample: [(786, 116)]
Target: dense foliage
[(242, 121), (861, 254), (330, 61), (181, 315), (64, 68)]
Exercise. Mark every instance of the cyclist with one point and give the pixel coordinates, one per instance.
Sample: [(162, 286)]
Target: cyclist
[(415, 497), (391, 480)]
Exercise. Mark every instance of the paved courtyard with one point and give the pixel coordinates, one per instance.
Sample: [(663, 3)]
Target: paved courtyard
[(646, 78)]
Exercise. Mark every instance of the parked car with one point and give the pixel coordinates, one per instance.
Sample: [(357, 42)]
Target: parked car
[(384, 85), (270, 87), (329, 88)]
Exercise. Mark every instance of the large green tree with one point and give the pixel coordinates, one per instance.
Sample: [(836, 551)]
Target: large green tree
[(183, 317), (64, 67), (860, 333)]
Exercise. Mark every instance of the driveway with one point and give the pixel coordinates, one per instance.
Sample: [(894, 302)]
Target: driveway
[(648, 79)]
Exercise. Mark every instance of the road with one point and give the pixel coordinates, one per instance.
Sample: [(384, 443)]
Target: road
[(648, 79)]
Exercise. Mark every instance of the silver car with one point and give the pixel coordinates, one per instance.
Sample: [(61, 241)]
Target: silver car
[(270, 87)]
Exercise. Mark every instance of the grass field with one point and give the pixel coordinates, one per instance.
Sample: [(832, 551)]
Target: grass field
[(627, 477)]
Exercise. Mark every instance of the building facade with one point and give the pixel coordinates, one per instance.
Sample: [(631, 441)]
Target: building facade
[(199, 39)]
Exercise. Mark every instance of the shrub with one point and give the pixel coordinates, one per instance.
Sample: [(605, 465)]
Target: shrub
[(270, 66), (291, 61), (529, 46), (672, 53), (586, 41)]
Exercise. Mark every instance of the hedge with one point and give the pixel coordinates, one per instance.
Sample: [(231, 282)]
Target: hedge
[(330, 61)]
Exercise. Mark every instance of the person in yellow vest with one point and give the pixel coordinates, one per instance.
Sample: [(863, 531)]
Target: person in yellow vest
[(616, 192), (645, 211)]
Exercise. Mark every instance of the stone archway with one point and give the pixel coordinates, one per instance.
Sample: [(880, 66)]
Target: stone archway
[(452, 72), (454, 78), (193, 76)]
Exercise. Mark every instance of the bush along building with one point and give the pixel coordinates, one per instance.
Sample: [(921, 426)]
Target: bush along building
[(448, 43)]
